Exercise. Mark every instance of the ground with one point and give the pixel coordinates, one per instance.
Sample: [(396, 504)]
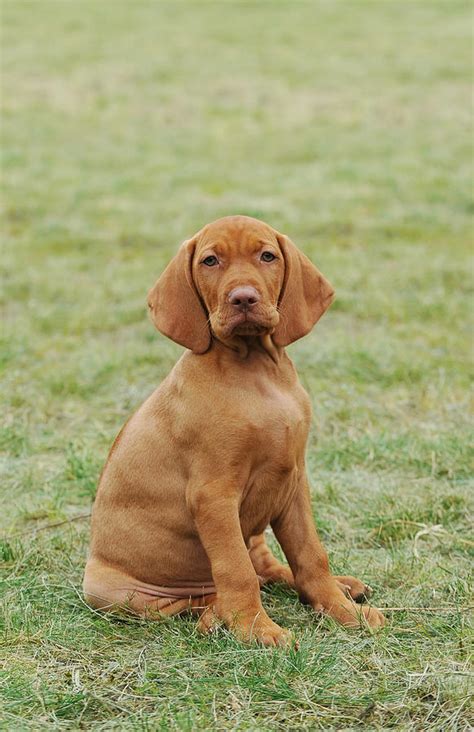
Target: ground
[(127, 126)]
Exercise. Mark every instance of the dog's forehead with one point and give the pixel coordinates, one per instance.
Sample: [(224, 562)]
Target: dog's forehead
[(236, 232)]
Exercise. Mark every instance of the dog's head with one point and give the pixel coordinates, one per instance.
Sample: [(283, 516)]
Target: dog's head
[(238, 277)]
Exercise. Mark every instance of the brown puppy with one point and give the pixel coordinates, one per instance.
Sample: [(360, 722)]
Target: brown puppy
[(217, 452)]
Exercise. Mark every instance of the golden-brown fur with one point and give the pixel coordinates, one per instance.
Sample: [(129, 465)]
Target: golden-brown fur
[(217, 453)]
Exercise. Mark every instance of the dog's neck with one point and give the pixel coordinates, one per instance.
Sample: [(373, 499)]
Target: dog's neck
[(242, 346)]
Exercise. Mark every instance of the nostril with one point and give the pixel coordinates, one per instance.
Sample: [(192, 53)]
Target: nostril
[(243, 297)]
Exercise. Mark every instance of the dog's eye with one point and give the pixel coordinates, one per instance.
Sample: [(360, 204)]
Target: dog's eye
[(210, 261), (267, 257)]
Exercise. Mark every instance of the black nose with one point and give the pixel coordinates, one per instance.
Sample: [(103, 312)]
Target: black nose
[(243, 298)]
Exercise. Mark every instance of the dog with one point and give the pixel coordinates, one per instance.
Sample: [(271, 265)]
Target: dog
[(217, 453)]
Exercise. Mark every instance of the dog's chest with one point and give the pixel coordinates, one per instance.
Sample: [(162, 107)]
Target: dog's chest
[(277, 429), (277, 423)]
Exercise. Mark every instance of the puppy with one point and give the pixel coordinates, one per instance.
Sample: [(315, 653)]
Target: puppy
[(217, 453)]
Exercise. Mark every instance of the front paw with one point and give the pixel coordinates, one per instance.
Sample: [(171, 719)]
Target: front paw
[(262, 630), (334, 602), (248, 626), (359, 616)]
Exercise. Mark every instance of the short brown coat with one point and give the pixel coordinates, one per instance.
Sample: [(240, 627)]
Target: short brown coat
[(217, 453)]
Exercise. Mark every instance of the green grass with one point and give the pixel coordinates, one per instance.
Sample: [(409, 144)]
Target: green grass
[(127, 126)]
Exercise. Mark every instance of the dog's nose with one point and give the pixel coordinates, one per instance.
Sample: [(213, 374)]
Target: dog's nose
[(243, 298)]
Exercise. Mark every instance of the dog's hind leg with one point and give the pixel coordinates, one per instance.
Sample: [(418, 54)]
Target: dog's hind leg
[(269, 569)]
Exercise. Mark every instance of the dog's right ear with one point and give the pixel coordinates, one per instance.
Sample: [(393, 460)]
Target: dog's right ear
[(175, 306)]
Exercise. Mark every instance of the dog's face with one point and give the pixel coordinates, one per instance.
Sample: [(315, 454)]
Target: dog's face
[(238, 269), (238, 277)]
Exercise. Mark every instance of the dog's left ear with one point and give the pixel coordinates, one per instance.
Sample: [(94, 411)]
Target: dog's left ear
[(306, 295), (175, 306)]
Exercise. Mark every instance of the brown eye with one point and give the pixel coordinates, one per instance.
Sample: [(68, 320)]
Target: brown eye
[(267, 257), (210, 261)]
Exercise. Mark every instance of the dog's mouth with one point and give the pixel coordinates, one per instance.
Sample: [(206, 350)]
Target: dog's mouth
[(247, 323), (249, 328)]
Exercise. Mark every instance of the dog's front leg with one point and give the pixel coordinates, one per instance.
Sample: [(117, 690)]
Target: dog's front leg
[(297, 535), (214, 507)]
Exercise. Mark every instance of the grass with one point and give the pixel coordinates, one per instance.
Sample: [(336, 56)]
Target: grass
[(126, 127)]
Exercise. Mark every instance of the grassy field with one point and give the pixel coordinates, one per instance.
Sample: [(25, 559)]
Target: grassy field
[(127, 126)]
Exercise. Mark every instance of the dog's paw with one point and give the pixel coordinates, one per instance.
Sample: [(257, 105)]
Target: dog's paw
[(373, 617), (266, 632), (356, 616), (247, 627), (208, 621), (354, 588), (263, 631), (340, 606)]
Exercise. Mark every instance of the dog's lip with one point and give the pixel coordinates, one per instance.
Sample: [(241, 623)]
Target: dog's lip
[(247, 327), (241, 317), (246, 318), (263, 318)]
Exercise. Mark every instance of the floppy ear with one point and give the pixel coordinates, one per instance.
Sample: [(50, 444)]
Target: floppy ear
[(306, 295), (175, 307)]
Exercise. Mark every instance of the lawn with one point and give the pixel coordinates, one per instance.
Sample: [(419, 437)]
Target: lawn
[(345, 124)]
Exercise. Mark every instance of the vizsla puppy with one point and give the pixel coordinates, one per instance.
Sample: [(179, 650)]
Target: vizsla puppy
[(217, 452)]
